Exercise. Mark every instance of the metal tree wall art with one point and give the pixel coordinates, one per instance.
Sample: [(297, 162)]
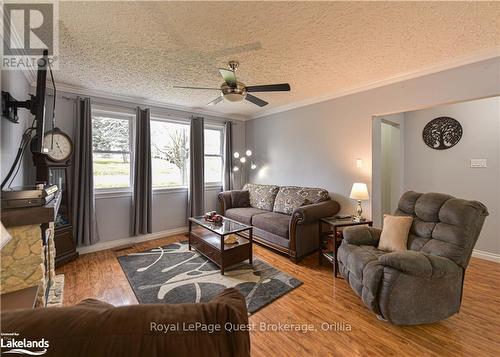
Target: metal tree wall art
[(442, 133)]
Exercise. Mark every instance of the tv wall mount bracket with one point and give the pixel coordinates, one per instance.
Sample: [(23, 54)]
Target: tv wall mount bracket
[(10, 106)]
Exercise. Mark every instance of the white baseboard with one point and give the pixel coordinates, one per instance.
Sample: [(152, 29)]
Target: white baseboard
[(131, 240), (481, 254)]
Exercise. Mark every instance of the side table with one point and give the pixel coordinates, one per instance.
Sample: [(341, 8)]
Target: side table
[(335, 224)]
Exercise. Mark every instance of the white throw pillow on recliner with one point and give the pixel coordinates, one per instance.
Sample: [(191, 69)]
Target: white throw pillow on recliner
[(394, 236)]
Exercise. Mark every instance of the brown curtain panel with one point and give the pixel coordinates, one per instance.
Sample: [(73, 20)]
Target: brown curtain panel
[(84, 220), (228, 156), (142, 205), (196, 193)]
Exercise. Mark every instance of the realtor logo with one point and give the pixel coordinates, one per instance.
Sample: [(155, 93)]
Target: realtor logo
[(10, 343), (28, 29)]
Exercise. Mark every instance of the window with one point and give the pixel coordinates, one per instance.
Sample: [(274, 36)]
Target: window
[(169, 153), (112, 146), (112, 149), (214, 163)]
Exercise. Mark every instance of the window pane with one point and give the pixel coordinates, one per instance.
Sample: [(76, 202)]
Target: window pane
[(213, 142), (213, 169), (169, 153), (110, 134), (111, 170)]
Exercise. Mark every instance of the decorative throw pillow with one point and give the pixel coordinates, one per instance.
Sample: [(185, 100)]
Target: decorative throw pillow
[(262, 196), (240, 199), (395, 231), (290, 198)]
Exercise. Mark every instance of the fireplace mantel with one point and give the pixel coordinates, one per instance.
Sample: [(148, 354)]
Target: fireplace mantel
[(13, 217), (27, 260)]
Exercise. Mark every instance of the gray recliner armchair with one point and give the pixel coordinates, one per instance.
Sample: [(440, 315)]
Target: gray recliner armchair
[(423, 284)]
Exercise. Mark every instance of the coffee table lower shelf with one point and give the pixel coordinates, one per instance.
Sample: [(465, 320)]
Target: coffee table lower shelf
[(223, 255)]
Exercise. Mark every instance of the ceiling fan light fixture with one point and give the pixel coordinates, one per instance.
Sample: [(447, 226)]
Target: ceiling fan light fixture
[(233, 97), (234, 94)]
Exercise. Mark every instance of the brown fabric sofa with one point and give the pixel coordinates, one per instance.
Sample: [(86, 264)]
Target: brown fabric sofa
[(284, 218), (95, 328)]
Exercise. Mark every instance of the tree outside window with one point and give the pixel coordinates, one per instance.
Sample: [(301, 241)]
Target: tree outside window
[(112, 145), (112, 150), (169, 153)]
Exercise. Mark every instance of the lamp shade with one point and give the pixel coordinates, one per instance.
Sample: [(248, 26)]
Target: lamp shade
[(359, 192)]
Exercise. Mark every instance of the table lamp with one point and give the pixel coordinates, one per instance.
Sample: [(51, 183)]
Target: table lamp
[(359, 192)]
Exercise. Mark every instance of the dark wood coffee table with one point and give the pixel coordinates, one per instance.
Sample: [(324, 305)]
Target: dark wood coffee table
[(208, 239)]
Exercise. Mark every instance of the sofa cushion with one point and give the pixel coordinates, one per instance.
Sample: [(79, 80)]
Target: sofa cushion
[(276, 223), (262, 196), (291, 197), (240, 199), (244, 214), (261, 235)]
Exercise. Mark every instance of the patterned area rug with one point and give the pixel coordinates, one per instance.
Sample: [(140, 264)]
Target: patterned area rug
[(173, 274)]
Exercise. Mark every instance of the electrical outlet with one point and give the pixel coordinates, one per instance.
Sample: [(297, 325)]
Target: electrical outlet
[(478, 163)]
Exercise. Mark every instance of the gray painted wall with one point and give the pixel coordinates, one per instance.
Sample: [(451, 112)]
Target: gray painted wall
[(16, 83), (449, 171), (317, 145), (169, 206)]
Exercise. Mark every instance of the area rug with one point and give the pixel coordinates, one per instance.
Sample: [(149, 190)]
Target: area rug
[(173, 274)]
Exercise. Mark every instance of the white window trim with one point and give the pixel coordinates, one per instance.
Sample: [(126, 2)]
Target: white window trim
[(108, 194), (165, 189), (219, 127), (125, 115)]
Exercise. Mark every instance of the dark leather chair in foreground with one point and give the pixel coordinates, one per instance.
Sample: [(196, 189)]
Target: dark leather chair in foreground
[(94, 328), (423, 284)]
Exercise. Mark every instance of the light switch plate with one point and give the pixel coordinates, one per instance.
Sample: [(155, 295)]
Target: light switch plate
[(478, 163)]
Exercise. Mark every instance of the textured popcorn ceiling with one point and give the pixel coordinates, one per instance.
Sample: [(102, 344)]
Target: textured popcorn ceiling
[(142, 49)]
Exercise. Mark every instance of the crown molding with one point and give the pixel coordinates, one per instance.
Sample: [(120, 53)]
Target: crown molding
[(443, 66), (62, 87)]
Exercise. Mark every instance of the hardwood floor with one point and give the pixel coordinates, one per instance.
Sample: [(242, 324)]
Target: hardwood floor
[(323, 299)]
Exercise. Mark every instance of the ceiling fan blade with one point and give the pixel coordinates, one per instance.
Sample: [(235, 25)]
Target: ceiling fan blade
[(216, 100), (186, 87), (228, 76), (255, 100), (283, 87)]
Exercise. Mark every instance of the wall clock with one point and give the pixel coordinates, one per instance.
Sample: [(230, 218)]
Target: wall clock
[(442, 133), (59, 145)]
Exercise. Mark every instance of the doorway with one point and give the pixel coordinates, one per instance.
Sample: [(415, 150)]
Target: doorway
[(390, 165), (387, 164)]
